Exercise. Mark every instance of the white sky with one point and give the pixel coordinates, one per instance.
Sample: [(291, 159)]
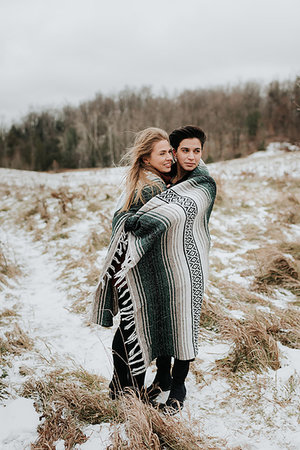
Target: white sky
[(54, 52)]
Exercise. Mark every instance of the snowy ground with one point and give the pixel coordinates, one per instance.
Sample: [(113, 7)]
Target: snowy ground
[(49, 225)]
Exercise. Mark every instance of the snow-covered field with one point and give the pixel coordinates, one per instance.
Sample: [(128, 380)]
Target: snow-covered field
[(54, 230)]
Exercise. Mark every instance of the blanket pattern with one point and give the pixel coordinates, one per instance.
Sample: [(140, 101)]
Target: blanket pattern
[(165, 268)]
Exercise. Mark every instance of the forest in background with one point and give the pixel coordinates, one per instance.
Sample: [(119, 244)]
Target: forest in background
[(238, 120)]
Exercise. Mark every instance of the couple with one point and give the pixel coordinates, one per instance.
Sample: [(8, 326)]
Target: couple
[(157, 263)]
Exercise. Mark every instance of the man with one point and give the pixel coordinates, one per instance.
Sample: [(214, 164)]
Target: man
[(187, 143)]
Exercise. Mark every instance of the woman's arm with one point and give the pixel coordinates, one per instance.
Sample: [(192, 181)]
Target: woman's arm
[(148, 192)]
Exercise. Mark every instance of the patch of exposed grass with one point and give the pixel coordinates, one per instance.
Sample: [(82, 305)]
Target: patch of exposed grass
[(58, 236), (17, 340), (225, 246), (8, 267), (97, 241), (92, 276), (221, 195), (238, 294), (147, 428), (254, 348), (81, 303), (292, 248), (284, 326), (4, 348), (67, 401), (287, 184), (14, 342), (197, 372), (211, 315), (252, 232), (286, 206), (7, 314), (58, 425), (276, 269), (3, 385), (65, 198), (94, 206)]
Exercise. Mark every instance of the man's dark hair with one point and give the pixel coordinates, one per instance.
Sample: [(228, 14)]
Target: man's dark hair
[(187, 132)]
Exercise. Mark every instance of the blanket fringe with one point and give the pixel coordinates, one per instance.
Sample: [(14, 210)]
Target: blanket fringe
[(135, 361)]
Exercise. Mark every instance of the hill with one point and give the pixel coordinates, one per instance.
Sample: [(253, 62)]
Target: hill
[(243, 389)]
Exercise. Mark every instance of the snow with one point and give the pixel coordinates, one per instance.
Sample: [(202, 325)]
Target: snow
[(56, 332), (218, 407), (18, 424)]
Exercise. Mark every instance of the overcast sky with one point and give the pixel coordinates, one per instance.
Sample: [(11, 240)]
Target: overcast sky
[(55, 52)]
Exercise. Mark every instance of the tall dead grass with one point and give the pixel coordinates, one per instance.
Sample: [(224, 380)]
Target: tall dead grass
[(221, 194), (287, 205), (212, 315), (67, 401), (277, 269), (9, 269), (284, 326), (253, 346), (238, 295), (15, 342), (147, 428)]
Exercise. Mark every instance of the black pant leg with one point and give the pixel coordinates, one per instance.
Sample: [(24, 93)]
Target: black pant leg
[(180, 370), (121, 374)]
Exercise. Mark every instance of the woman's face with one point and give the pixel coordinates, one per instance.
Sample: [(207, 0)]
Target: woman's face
[(189, 154), (161, 157)]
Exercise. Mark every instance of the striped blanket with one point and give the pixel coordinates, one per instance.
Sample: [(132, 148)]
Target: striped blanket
[(166, 243)]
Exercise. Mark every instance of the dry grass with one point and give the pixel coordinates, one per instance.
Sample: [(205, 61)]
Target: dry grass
[(58, 425), (147, 428), (252, 232), (292, 248), (221, 194), (239, 296), (97, 241), (81, 303), (17, 340), (8, 267), (232, 247), (212, 315), (291, 211), (276, 269), (58, 236), (7, 314), (254, 347), (14, 342), (66, 401), (65, 198), (197, 371), (284, 326), (3, 385)]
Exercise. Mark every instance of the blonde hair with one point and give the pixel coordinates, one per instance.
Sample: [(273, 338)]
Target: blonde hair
[(136, 177)]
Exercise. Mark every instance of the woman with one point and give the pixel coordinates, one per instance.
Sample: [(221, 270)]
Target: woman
[(151, 159)]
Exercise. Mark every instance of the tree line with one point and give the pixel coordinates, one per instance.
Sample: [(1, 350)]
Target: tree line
[(238, 120)]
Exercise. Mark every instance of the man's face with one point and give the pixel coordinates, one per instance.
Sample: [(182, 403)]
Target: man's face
[(189, 154)]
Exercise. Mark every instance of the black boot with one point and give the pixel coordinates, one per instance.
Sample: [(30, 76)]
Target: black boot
[(162, 380), (178, 390)]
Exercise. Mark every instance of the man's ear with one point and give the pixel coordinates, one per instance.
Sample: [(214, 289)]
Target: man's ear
[(174, 155)]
